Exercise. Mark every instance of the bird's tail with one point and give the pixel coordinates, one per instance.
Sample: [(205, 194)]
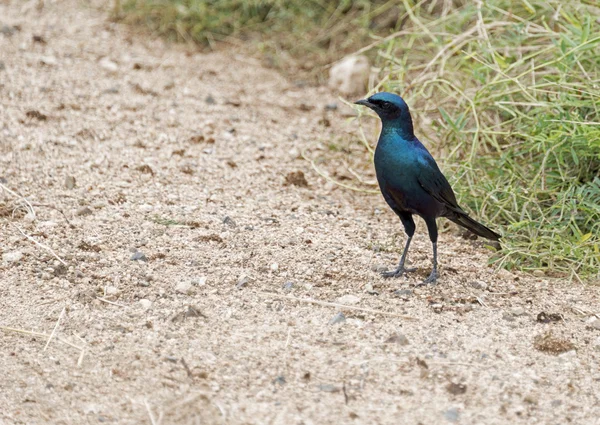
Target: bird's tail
[(475, 227)]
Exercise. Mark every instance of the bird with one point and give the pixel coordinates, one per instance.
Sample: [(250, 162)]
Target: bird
[(411, 182)]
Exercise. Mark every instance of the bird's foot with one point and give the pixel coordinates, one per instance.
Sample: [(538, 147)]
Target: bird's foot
[(399, 272), (431, 280)]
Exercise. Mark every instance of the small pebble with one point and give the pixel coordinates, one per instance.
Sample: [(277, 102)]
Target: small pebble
[(595, 324), (397, 338), (242, 281), (451, 414), (69, 182), (403, 293), (183, 287), (478, 285), (338, 318), (145, 304), (274, 267), (83, 211), (139, 256), (348, 300), (328, 388), (229, 221), (111, 290), (288, 286), (12, 256)]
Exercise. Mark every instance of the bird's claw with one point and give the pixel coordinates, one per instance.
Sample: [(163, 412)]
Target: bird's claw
[(398, 272), (431, 280)]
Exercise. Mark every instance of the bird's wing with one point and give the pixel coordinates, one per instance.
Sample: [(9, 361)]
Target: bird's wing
[(435, 184)]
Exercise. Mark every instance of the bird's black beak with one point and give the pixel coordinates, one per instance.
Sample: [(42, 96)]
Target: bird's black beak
[(365, 102)]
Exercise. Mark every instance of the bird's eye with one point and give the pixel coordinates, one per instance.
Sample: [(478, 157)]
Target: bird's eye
[(386, 105)]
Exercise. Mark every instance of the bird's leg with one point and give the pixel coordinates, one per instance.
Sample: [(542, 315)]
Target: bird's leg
[(401, 270), (432, 279)]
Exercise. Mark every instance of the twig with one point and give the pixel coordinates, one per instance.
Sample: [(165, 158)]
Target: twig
[(40, 334), (15, 194), (41, 245), (56, 209), (337, 305), (104, 300), (150, 414), (62, 313)]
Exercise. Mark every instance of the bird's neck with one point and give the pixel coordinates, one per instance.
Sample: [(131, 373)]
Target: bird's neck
[(403, 128)]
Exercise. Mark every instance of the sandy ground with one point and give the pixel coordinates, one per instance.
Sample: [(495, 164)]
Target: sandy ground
[(180, 159)]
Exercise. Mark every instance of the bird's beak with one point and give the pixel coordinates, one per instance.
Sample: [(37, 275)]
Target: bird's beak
[(364, 102)]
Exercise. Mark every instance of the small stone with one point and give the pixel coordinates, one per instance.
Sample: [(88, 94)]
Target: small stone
[(288, 286), (83, 211), (379, 268), (229, 221), (370, 290), (48, 60), (145, 304), (595, 324), (508, 316), (108, 64), (296, 178), (518, 311), (403, 293), (275, 267), (242, 281), (539, 273), (478, 285), (331, 107), (145, 208), (70, 182), (183, 287), (451, 414), (348, 300), (456, 389), (279, 380), (350, 75), (2, 66), (138, 256), (46, 276), (397, 338), (111, 290), (328, 388), (12, 256), (201, 281), (210, 100), (338, 318)]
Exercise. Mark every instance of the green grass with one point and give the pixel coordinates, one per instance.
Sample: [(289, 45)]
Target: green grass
[(310, 32), (511, 95)]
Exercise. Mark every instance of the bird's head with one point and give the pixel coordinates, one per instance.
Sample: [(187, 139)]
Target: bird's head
[(389, 106)]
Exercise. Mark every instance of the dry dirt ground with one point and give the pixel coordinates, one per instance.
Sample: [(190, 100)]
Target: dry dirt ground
[(180, 159)]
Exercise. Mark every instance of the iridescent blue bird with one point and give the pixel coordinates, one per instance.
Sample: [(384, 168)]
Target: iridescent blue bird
[(410, 180)]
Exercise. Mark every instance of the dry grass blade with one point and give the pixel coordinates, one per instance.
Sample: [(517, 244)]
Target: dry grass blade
[(41, 245)]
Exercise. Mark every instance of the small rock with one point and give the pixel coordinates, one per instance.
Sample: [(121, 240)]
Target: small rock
[(350, 75), (338, 318), (183, 287), (7, 30), (139, 256), (12, 256), (379, 268), (201, 281), (451, 414), (288, 286), (397, 338), (48, 60), (508, 316), (111, 290), (109, 65), (275, 267), (348, 300), (145, 304), (456, 389), (242, 281), (229, 221), (595, 324), (210, 100), (83, 211), (331, 107), (539, 273), (2, 66), (370, 290), (279, 380), (518, 311), (478, 285), (296, 178), (544, 317), (328, 388), (403, 293), (70, 182)]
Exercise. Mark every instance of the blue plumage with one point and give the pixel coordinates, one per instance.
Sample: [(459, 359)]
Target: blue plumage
[(411, 181)]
